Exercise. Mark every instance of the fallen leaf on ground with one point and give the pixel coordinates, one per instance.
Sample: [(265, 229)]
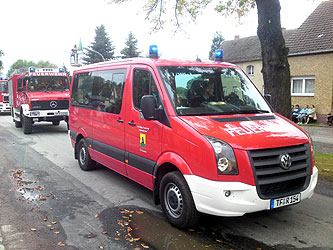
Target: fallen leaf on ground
[(96, 215), (92, 235), (33, 229), (56, 232), (60, 243)]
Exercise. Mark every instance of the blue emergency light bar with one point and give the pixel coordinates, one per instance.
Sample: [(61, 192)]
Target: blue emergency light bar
[(1, 78), (31, 69), (153, 51), (61, 69), (219, 55)]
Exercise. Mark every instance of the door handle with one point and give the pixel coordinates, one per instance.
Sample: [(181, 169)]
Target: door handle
[(120, 120), (132, 123)]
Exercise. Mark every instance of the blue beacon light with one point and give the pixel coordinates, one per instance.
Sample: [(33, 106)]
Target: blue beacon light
[(219, 55), (153, 51), (31, 69), (61, 69)]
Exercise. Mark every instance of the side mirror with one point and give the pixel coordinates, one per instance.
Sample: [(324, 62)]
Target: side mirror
[(268, 98), (148, 108)]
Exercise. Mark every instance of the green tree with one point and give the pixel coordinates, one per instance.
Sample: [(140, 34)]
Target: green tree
[(101, 49), (131, 49), (216, 44), (275, 66), (1, 54), (19, 64)]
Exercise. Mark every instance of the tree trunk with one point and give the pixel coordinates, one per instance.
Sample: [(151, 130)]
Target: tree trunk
[(275, 66)]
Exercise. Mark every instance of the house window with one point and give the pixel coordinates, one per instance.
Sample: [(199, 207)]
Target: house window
[(302, 86), (250, 70)]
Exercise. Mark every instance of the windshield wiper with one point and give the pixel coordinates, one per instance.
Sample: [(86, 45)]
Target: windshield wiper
[(246, 111)]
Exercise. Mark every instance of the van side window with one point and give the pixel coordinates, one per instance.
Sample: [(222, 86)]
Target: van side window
[(143, 84), (99, 90)]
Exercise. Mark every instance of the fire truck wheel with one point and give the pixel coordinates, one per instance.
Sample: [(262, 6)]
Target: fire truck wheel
[(18, 124), (85, 161), (55, 123), (27, 125), (177, 202)]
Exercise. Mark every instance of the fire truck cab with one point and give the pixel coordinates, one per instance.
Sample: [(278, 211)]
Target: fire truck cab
[(39, 95), (4, 103)]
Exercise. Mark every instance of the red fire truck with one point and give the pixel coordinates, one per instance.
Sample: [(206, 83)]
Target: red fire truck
[(39, 95), (4, 103)]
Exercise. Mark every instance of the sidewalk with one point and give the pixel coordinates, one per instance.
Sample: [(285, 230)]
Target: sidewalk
[(322, 138)]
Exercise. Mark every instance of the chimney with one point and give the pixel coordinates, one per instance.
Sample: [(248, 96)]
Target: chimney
[(236, 37)]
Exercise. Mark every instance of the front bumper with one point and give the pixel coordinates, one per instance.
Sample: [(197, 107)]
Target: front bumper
[(4, 108), (46, 113), (209, 196)]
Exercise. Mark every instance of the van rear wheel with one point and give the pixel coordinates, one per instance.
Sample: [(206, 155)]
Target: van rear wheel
[(84, 159), (177, 201)]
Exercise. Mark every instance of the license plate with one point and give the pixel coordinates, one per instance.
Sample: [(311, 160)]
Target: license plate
[(285, 201), (63, 113)]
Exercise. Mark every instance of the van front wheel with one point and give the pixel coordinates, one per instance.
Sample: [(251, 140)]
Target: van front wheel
[(85, 161), (177, 202)]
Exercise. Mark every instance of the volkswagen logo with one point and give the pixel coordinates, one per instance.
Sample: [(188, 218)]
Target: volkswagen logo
[(53, 104), (285, 161)]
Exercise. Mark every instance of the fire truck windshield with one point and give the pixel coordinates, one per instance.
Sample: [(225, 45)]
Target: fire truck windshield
[(47, 83), (3, 87)]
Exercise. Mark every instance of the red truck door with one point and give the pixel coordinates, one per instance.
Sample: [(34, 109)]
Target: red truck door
[(142, 138)]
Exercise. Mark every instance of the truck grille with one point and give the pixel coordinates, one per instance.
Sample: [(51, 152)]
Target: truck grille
[(273, 181), (49, 105)]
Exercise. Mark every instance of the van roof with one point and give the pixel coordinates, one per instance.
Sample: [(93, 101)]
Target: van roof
[(156, 62)]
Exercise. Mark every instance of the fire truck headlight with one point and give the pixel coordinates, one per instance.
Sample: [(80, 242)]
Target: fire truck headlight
[(225, 157), (34, 113)]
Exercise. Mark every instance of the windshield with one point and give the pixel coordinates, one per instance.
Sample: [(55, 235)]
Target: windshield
[(3, 87), (47, 83), (211, 91)]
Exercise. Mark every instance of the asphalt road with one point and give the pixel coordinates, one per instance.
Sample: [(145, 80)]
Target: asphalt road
[(47, 202)]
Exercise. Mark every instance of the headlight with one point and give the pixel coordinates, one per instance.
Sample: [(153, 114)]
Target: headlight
[(311, 146), (34, 113), (225, 157)]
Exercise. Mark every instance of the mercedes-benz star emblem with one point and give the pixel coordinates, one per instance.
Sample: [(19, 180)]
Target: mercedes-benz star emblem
[(53, 104), (285, 161)]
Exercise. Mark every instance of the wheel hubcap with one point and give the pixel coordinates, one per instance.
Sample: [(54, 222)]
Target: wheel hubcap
[(173, 200), (83, 155)]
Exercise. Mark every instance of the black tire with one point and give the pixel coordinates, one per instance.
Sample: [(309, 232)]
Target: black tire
[(177, 201), (55, 123), (83, 157), (18, 124), (27, 125)]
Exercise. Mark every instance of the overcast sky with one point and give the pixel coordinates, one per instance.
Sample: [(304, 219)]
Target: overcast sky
[(47, 29)]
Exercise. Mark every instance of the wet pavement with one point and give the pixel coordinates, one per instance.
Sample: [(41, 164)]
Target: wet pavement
[(322, 138)]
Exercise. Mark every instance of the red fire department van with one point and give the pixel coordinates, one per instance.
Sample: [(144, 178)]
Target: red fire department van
[(198, 134), (4, 101), (39, 95)]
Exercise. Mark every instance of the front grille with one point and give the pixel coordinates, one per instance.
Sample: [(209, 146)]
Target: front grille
[(272, 181), (46, 105), (6, 99)]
